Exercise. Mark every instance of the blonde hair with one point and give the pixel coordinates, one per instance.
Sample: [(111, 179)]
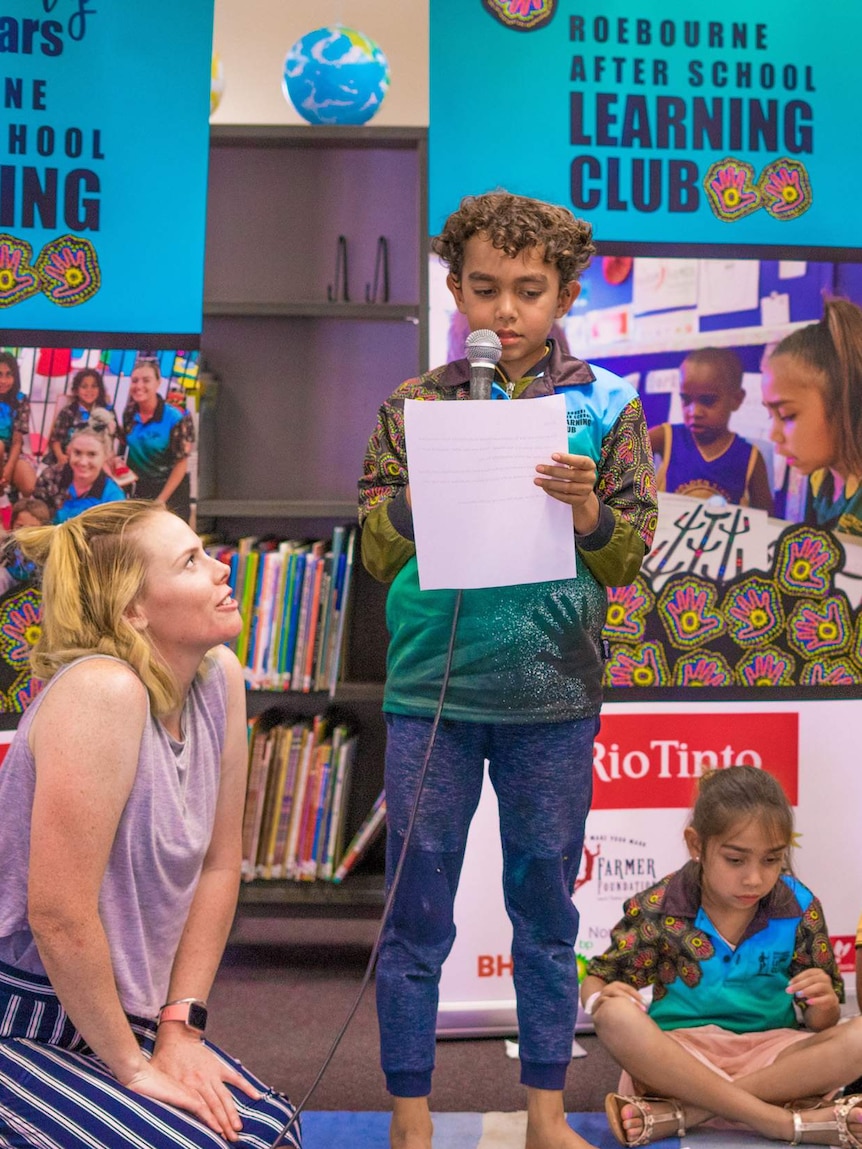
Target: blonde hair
[(93, 570), (101, 426)]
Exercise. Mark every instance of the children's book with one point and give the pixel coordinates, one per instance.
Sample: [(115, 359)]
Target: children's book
[(333, 558), (296, 817), (342, 610), (317, 811), (343, 751), (246, 604), (292, 615), (313, 639), (275, 797), (363, 837), (305, 628), (263, 612), (255, 798), (294, 741), (272, 680), (255, 766)]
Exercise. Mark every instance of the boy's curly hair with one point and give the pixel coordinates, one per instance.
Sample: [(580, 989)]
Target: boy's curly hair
[(514, 223)]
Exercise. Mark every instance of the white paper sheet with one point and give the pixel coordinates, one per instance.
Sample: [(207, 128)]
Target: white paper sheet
[(728, 285), (662, 382), (662, 284), (479, 519), (717, 541), (667, 329), (775, 309)]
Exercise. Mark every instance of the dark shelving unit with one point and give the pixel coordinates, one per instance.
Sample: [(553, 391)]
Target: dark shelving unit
[(298, 380)]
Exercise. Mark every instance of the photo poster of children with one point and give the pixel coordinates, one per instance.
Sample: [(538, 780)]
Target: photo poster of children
[(78, 427), (755, 574)]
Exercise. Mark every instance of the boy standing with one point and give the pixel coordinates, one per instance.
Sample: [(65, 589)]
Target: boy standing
[(701, 456), (525, 684)]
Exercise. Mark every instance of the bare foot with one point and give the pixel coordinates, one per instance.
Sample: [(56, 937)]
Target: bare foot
[(558, 1136), (547, 1127), (410, 1127)]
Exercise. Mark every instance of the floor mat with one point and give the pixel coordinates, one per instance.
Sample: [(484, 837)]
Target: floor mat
[(327, 1130)]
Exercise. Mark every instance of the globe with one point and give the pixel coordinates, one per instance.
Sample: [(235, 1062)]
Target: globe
[(335, 76)]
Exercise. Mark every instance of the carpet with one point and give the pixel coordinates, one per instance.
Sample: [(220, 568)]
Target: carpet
[(329, 1130)]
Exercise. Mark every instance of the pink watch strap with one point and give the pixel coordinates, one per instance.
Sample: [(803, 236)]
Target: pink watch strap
[(179, 1011)]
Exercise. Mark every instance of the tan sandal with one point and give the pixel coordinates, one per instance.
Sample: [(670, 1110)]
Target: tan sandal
[(614, 1103), (841, 1110)]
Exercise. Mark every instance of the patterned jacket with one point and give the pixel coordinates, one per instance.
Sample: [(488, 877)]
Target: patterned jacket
[(529, 652)]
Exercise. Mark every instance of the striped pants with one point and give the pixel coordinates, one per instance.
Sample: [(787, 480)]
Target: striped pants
[(56, 1094)]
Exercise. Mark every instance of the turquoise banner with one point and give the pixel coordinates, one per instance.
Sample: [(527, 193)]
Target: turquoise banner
[(103, 160), (661, 121)]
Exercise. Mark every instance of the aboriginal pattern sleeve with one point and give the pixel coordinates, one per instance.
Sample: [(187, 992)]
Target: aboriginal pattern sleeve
[(182, 437), (384, 512), (632, 953), (22, 416), (813, 948), (626, 487)]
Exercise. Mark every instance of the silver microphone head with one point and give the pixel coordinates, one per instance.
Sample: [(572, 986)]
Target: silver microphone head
[(483, 348)]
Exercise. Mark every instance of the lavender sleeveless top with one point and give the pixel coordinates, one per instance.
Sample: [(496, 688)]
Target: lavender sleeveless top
[(158, 851)]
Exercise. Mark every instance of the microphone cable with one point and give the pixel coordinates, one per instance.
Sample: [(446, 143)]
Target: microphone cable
[(280, 1141)]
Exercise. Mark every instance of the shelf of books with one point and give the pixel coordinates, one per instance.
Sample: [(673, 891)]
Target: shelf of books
[(299, 785), (293, 596)]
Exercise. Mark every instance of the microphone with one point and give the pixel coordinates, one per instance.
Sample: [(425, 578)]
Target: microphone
[(483, 350)]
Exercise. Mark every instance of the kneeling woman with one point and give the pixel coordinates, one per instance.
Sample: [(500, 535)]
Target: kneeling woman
[(121, 802), (69, 488)]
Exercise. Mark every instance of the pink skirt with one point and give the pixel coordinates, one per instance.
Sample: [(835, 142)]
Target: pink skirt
[(730, 1055)]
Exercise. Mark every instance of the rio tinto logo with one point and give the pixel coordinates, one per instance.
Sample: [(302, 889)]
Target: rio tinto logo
[(654, 760)]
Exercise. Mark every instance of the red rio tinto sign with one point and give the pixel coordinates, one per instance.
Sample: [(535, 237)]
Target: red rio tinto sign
[(652, 761)]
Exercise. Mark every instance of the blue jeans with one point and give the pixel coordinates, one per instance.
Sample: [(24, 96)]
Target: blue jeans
[(542, 774)]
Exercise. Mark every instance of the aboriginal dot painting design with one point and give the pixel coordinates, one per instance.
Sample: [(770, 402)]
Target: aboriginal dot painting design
[(805, 561), (20, 627), (521, 15), (687, 608), (753, 612), (766, 667), (820, 629), (638, 665), (785, 189), (730, 189), (628, 607), (790, 625), (705, 668), (18, 280), (68, 270)]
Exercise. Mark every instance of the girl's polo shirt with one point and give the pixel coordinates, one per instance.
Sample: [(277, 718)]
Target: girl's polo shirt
[(667, 940), (743, 989)]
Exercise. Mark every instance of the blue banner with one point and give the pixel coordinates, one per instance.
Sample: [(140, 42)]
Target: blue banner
[(663, 122), (103, 161)]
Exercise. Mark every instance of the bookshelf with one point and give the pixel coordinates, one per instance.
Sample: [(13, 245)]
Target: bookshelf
[(298, 380)]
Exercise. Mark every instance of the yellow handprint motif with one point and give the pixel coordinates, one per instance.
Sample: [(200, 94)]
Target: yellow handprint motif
[(68, 269), (18, 280)]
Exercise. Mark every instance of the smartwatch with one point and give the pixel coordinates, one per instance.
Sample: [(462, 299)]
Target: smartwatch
[(188, 1010)]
